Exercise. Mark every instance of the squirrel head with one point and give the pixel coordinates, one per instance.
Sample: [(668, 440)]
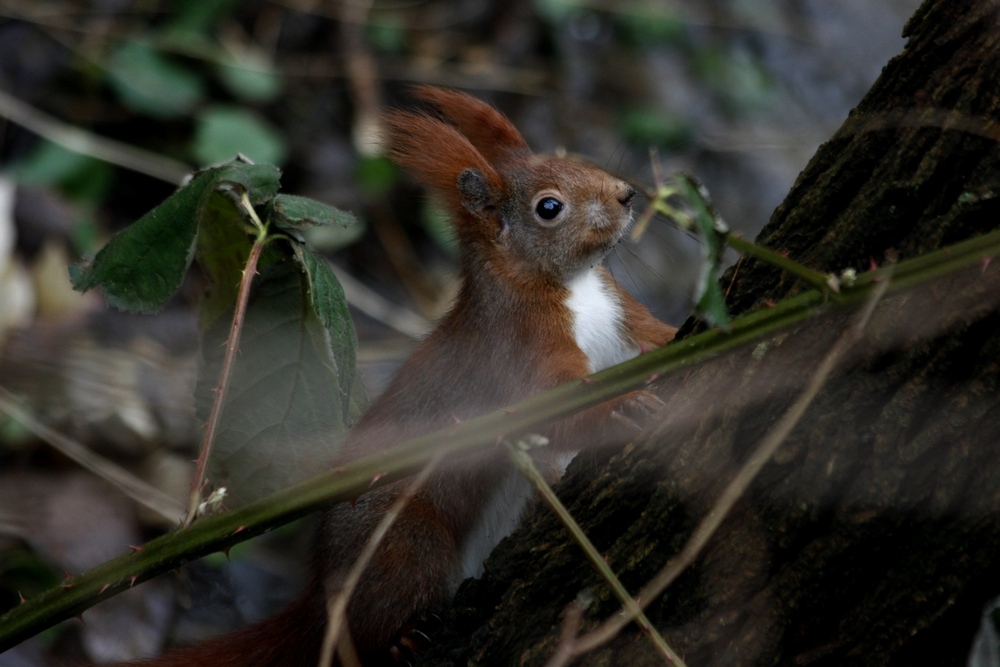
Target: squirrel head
[(536, 215)]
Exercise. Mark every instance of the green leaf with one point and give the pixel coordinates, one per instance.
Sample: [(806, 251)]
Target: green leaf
[(282, 420), (653, 27), (328, 238), (291, 212), (328, 302), (388, 34), (83, 177), (710, 301), (375, 175), (658, 127), (151, 83), (223, 132), (251, 77), (143, 265)]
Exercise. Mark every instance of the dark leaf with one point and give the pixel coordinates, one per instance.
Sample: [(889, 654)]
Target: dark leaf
[(709, 300), (282, 420), (290, 212)]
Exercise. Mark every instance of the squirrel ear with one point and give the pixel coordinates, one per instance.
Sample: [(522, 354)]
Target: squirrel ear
[(477, 196), (492, 134)]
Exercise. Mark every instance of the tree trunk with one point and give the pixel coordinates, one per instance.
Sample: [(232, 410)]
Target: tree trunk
[(871, 537)]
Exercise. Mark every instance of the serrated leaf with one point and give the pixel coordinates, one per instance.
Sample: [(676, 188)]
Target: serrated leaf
[(709, 300), (149, 82), (282, 420), (329, 304), (291, 212), (224, 131), (142, 266)]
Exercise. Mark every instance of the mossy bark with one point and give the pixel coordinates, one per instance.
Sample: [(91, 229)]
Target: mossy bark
[(872, 536)]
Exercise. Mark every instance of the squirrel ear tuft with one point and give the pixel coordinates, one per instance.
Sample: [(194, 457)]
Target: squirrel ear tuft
[(443, 159), (486, 128), (478, 197)]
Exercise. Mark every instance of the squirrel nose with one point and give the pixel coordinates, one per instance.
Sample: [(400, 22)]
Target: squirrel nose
[(625, 199)]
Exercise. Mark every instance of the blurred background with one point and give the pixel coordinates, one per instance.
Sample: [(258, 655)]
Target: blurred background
[(105, 105)]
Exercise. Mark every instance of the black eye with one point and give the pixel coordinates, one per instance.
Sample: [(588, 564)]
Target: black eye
[(548, 208)]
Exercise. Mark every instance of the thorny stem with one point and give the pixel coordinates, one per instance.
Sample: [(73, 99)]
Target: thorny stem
[(820, 281), (232, 347), (739, 484), (523, 461)]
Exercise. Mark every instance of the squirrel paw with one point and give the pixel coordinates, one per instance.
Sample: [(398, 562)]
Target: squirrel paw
[(633, 409)]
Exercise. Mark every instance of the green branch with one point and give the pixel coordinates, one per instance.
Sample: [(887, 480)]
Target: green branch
[(216, 533)]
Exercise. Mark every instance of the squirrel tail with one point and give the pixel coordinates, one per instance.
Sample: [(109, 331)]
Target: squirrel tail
[(291, 638)]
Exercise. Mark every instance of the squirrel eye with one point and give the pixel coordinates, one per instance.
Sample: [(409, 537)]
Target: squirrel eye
[(548, 208)]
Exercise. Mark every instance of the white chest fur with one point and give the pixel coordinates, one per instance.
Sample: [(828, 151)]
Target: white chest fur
[(497, 520), (597, 327), (597, 321)]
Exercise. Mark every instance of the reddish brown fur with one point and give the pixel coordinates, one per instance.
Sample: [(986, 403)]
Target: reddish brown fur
[(438, 169), (489, 131), (509, 335)]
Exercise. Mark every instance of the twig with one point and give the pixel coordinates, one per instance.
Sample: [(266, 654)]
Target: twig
[(148, 496), (232, 347), (81, 141), (337, 604), (821, 281), (523, 461), (739, 484)]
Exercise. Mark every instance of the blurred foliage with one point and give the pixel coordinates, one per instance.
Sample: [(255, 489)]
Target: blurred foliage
[(376, 175), (652, 28), (152, 84), (653, 127), (437, 223), (84, 178), (225, 131)]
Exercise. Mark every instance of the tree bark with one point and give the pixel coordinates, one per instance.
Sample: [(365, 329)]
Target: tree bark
[(871, 537)]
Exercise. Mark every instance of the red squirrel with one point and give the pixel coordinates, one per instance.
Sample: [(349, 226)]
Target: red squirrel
[(536, 309)]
